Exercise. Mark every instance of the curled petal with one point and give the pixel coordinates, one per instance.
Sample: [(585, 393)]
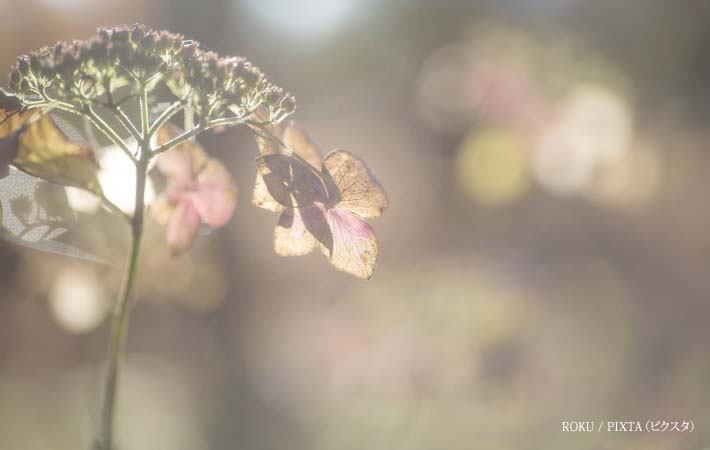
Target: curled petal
[(354, 246), (183, 226), (215, 196), (360, 192)]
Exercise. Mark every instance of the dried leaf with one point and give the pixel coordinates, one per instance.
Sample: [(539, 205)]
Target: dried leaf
[(35, 214), (8, 151), (43, 151)]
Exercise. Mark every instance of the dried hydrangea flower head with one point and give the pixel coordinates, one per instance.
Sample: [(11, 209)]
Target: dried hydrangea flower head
[(133, 57)]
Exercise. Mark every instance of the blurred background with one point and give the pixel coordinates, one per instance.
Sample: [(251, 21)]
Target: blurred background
[(544, 257)]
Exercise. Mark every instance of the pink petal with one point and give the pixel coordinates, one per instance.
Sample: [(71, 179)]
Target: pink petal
[(354, 247), (182, 163), (177, 166), (215, 197), (183, 226)]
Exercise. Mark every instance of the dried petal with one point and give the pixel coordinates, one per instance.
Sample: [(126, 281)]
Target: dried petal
[(296, 138), (354, 246), (359, 190), (265, 132), (291, 182), (297, 141), (292, 235), (262, 198)]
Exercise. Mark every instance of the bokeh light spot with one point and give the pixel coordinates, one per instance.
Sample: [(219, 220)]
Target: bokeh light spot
[(593, 127), (303, 17), (77, 301), (118, 179), (492, 167)]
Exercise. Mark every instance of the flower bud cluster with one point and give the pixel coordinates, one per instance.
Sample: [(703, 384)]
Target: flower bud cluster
[(139, 58), (84, 69), (217, 86)]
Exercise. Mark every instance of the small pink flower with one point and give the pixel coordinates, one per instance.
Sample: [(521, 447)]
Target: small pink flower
[(200, 190)]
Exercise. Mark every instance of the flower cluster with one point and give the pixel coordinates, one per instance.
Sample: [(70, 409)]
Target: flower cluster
[(133, 57)]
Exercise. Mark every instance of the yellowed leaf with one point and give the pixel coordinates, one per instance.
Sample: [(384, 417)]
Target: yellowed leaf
[(45, 152)]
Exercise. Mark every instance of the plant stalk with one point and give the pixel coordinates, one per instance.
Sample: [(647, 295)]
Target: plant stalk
[(119, 325)]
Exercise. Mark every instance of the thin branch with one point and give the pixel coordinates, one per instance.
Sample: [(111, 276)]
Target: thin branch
[(225, 121), (107, 130), (97, 121), (177, 140), (145, 119), (169, 112), (126, 122)]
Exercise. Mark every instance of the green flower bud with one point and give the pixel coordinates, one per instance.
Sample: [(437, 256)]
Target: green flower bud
[(15, 80), (148, 41), (35, 64), (273, 96), (104, 35), (288, 104), (25, 85), (23, 65)]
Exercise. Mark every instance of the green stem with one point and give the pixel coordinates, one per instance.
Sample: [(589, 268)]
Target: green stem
[(126, 122), (119, 325), (145, 120)]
